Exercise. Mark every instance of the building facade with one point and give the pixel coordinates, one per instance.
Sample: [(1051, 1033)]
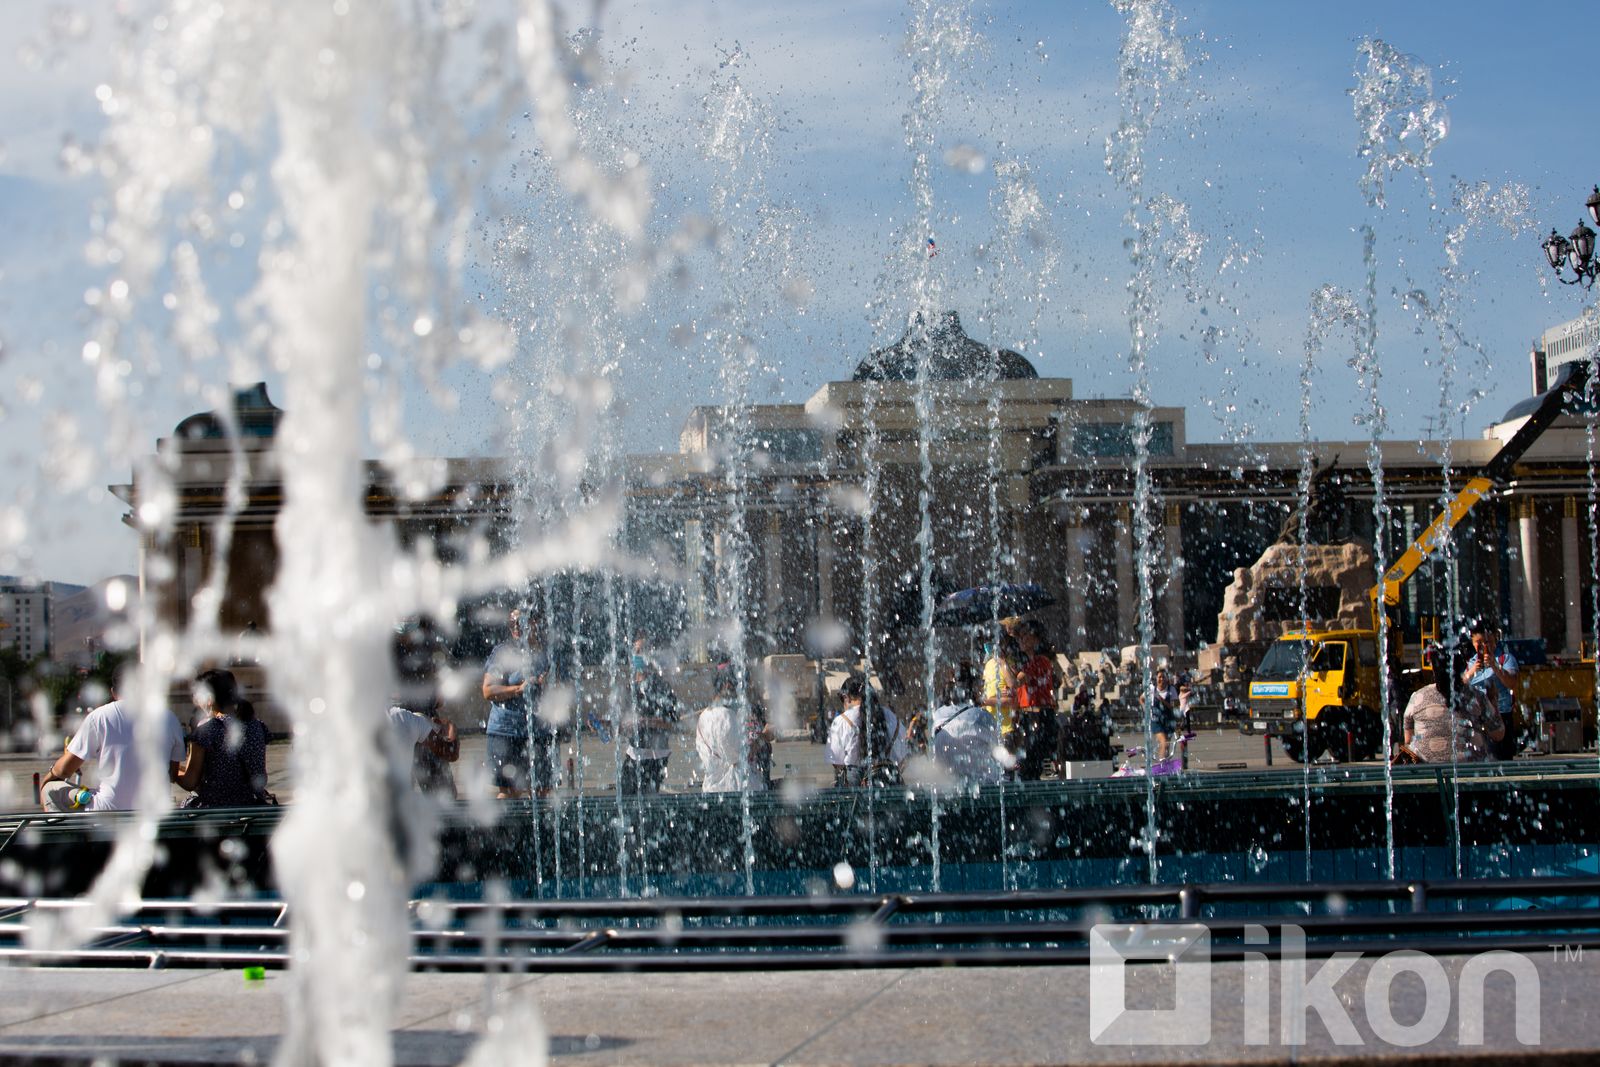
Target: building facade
[(1572, 340), (943, 463), (26, 610)]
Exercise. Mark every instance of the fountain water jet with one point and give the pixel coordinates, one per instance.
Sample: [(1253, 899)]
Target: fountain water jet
[(754, 258), (1400, 124), (1151, 57)]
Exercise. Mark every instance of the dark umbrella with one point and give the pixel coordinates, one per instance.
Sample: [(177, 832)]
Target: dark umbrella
[(985, 603)]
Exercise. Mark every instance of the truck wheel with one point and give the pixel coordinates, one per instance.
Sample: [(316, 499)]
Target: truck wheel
[(1296, 749), (1330, 727), (1366, 728)]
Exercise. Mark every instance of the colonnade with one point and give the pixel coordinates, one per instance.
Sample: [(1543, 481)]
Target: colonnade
[(1071, 556), (1533, 530)]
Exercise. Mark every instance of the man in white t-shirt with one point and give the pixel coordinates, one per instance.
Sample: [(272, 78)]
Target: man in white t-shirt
[(109, 735), (722, 740)]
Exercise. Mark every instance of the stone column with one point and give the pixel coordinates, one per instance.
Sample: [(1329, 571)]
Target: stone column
[(1528, 550), (1174, 558), (1022, 560), (1075, 579), (1571, 577), (824, 531), (194, 572), (695, 561), (774, 554), (1127, 591)]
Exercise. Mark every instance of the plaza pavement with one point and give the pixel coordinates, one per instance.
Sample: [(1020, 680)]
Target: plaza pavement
[(844, 1018), (794, 757)]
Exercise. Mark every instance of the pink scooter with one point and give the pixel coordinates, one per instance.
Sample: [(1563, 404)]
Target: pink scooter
[(1170, 765)]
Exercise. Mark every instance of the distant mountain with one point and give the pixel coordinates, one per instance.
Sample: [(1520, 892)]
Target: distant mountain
[(79, 616)]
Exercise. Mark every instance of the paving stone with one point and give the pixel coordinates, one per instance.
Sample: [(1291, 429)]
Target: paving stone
[(870, 1018)]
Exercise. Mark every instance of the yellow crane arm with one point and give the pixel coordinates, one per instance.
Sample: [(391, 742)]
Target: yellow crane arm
[(1430, 541), (1570, 387)]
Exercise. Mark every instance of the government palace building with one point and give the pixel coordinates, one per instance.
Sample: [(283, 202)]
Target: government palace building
[(808, 505)]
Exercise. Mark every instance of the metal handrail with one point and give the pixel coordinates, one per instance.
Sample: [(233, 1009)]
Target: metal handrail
[(884, 930)]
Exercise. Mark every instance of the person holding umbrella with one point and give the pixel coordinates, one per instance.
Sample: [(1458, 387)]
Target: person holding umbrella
[(1001, 672), (1037, 680)]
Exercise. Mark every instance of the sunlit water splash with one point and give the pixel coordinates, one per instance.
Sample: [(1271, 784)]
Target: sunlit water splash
[(1476, 206), (755, 256), (613, 192), (353, 134), (1150, 60), (571, 284), (1331, 308), (1400, 123), (1021, 261), (938, 38)]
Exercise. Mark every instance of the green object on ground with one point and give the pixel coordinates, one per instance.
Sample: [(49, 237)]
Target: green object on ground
[(255, 974)]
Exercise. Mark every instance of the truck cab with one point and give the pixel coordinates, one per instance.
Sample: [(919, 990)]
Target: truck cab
[(1319, 690)]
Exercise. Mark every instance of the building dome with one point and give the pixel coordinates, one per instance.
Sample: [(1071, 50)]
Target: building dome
[(254, 414), (952, 356)]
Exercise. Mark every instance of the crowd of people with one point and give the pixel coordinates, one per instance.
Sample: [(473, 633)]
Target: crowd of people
[(221, 760), (1000, 721), (1009, 718)]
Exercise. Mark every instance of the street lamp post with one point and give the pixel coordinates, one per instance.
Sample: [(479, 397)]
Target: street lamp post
[(1576, 250)]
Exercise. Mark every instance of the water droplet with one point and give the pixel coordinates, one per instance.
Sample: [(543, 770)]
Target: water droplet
[(965, 158)]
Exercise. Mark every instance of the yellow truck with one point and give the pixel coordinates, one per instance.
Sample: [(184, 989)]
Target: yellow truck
[(1318, 689), (1333, 676)]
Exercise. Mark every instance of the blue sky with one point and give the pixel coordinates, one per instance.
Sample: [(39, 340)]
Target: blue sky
[(1258, 142)]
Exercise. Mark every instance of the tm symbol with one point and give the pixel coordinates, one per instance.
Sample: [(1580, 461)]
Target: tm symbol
[(1569, 953)]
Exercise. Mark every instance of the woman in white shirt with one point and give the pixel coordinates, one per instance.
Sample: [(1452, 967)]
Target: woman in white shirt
[(855, 753)]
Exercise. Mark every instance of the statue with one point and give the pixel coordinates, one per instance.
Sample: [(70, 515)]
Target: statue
[(1327, 511)]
